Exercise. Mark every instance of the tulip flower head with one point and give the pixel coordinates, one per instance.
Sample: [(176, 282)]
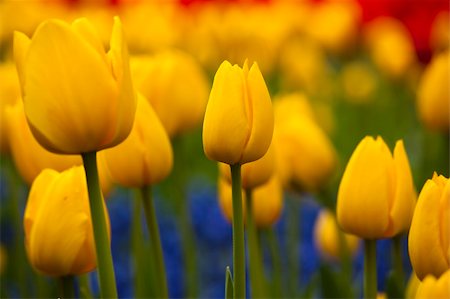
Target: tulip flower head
[(238, 123), (58, 228), (376, 196), (429, 236), (431, 287), (77, 98)]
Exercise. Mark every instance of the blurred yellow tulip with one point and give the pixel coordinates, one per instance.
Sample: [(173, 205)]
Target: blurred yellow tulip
[(358, 82), (77, 98), (253, 174), (411, 286), (429, 236), (433, 98), (176, 87), (440, 32), (326, 236), (267, 201), (305, 156), (9, 94), (376, 196), (390, 46), (238, 124), (3, 259), (434, 288), (58, 228), (145, 157)]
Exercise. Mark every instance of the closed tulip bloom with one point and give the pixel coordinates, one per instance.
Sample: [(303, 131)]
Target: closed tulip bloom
[(267, 201), (58, 229), (176, 87), (305, 156), (326, 236), (77, 98), (255, 173), (429, 236), (433, 99), (434, 288), (238, 124), (376, 196), (145, 157)]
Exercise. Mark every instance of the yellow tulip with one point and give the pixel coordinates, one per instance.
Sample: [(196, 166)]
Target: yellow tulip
[(433, 99), (411, 286), (440, 32), (29, 156), (326, 236), (253, 174), (267, 201), (434, 288), (176, 87), (363, 91), (145, 157), (390, 46), (238, 124), (9, 94), (429, 236), (305, 156), (376, 196), (58, 228), (77, 98)]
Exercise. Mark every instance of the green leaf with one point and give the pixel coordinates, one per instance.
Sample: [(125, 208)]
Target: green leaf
[(229, 285), (394, 287)]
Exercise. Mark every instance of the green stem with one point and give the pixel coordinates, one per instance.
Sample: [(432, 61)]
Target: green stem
[(398, 266), (238, 233), (155, 242), (102, 244), (370, 269), (293, 240), (254, 253), (346, 261), (67, 288), (85, 289), (276, 263)]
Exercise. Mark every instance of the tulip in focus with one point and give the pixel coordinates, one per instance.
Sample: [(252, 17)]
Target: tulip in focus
[(376, 196), (433, 96), (429, 236), (326, 236), (238, 124), (77, 98), (267, 201), (434, 288), (145, 157), (176, 87), (58, 229)]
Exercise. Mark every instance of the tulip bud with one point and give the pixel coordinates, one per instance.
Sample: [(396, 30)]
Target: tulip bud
[(145, 157), (326, 236), (253, 174), (176, 87), (429, 236), (77, 98), (376, 196), (238, 124), (433, 100), (267, 202), (304, 154), (58, 228), (434, 288)]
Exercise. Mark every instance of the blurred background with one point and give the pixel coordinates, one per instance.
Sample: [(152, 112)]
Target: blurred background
[(356, 67)]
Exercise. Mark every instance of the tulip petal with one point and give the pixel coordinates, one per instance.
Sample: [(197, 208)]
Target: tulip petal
[(226, 127), (365, 190), (261, 116), (68, 86), (84, 28), (424, 244), (21, 46)]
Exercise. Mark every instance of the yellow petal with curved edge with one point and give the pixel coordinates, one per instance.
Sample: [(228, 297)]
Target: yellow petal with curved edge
[(365, 190), (434, 288), (261, 119), (424, 243), (69, 92), (405, 195), (21, 46), (145, 157), (226, 126), (83, 27)]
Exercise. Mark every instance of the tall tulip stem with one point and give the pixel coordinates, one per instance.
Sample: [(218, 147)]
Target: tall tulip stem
[(155, 242), (102, 245), (67, 288), (370, 269), (254, 253), (238, 233), (277, 291), (397, 240)]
